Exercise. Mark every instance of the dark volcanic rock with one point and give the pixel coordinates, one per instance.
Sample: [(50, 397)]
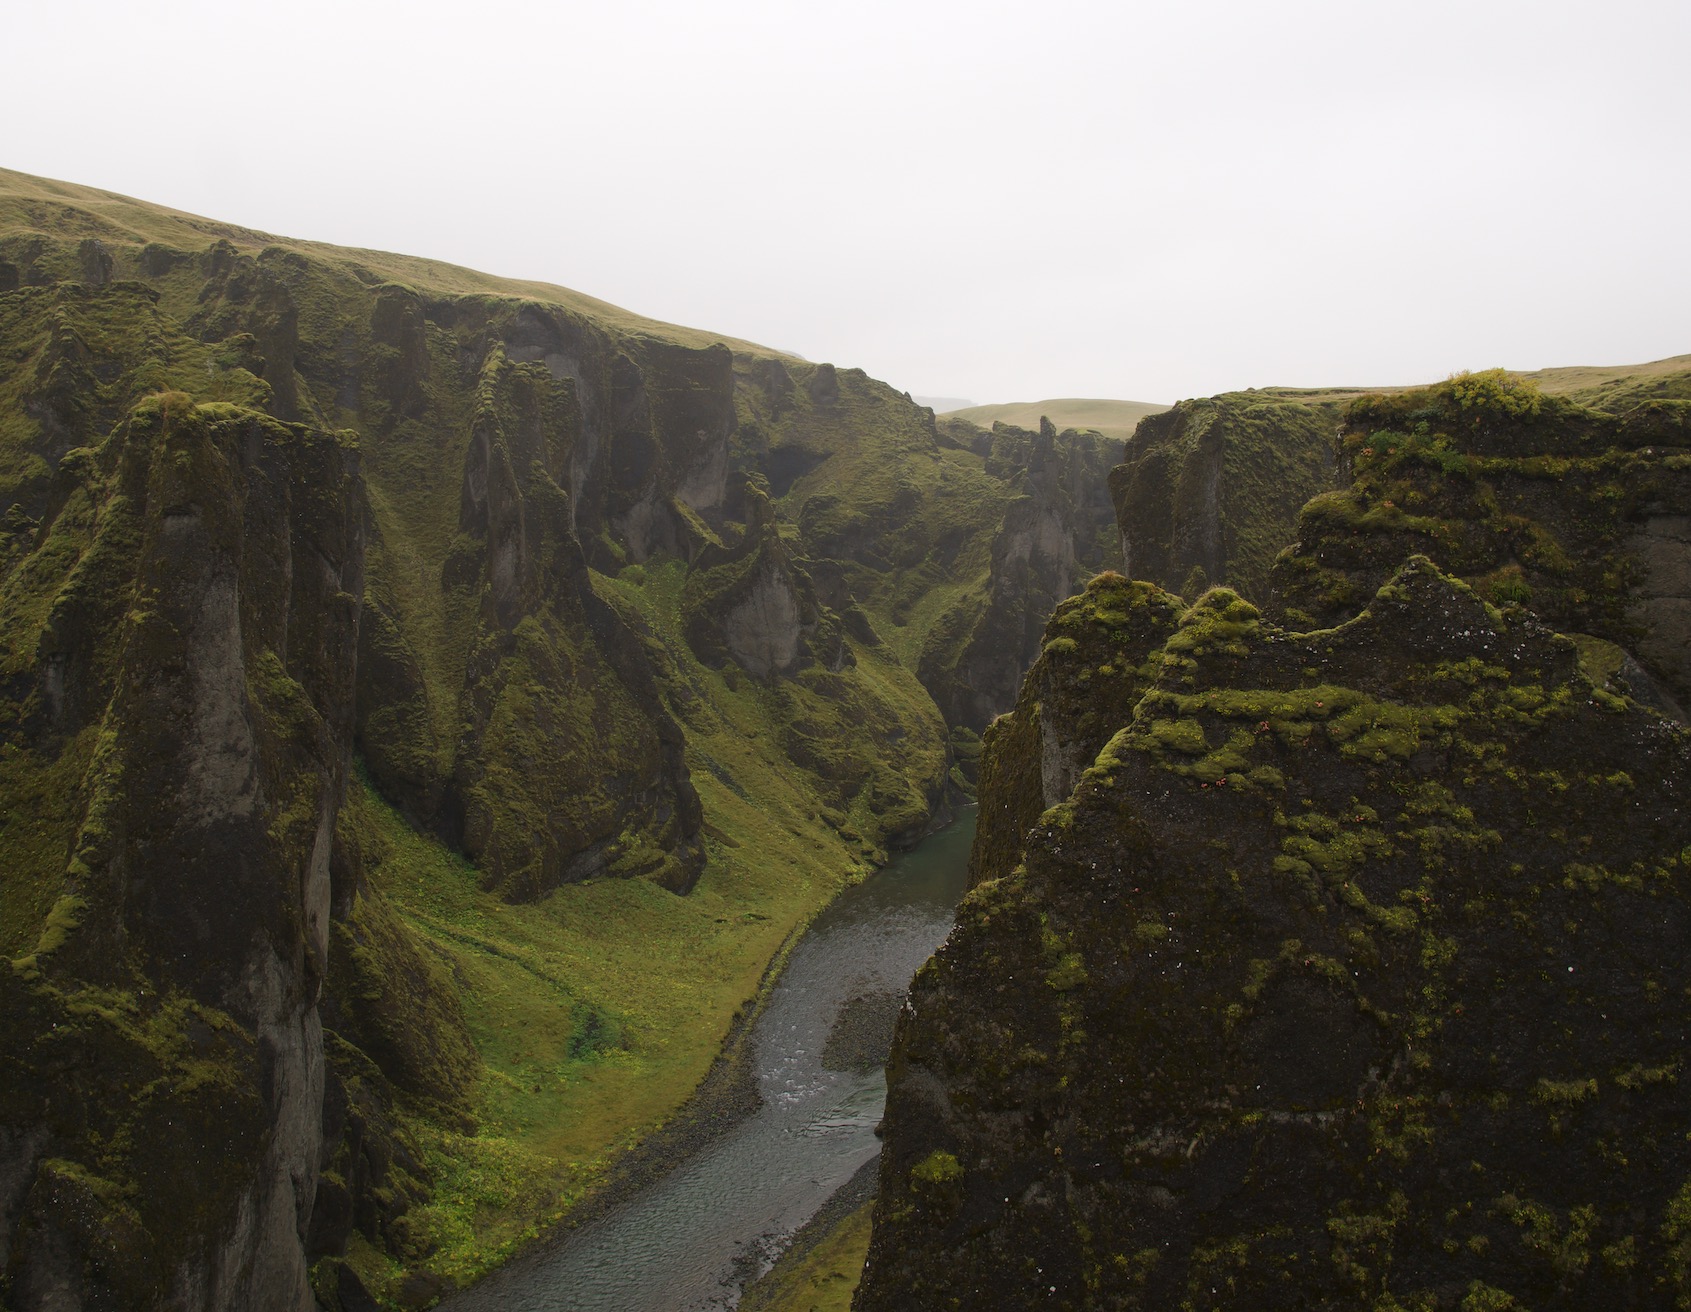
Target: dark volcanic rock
[(193, 688), (1209, 491), (1352, 973), (1575, 514)]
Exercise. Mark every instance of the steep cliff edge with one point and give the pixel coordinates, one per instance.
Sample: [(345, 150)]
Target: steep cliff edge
[(1576, 514), (1286, 999), (181, 609), (1209, 491), (1338, 967)]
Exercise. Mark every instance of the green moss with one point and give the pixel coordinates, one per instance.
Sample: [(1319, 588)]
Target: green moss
[(1069, 973), (1186, 736), (937, 1168), (1482, 1297), (1563, 1093)]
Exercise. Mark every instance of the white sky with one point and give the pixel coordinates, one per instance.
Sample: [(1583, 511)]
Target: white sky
[(985, 200)]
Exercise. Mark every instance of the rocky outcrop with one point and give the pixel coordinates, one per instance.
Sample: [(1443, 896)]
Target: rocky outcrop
[(1349, 974), (191, 690), (1572, 513), (1103, 651), (1333, 967), (1056, 531), (554, 668), (753, 603), (1210, 491)]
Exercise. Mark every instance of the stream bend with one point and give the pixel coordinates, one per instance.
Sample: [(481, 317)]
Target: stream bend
[(693, 1239)]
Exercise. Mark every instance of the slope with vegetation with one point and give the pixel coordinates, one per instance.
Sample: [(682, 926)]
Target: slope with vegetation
[(1333, 966), (431, 702)]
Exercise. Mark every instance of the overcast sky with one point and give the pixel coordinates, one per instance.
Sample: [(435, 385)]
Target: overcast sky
[(992, 201)]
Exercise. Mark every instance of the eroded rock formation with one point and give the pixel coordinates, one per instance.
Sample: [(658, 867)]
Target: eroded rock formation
[(1209, 491), (1331, 967)]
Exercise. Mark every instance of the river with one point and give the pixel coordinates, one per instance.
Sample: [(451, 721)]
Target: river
[(692, 1240)]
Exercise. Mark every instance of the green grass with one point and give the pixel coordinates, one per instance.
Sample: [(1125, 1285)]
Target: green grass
[(598, 1009), (825, 1278)]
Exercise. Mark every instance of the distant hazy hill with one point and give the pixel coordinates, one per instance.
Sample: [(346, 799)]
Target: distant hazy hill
[(1604, 386), (1615, 387), (1111, 418), (942, 405)]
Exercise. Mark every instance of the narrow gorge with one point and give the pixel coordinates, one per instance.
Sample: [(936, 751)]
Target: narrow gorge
[(431, 702), (434, 707)]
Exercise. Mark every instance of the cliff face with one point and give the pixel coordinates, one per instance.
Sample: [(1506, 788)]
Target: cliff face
[(1057, 531), (181, 609), (1209, 491), (1574, 513), (357, 610), (1349, 971)]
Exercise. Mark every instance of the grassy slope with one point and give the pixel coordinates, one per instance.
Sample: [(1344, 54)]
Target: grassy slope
[(825, 1278), (1580, 378), (1111, 418), (600, 1008), (42, 204)]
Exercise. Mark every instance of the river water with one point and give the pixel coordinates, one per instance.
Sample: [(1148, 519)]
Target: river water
[(696, 1237)]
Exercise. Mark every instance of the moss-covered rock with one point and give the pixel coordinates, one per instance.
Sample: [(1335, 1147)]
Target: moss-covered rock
[(1209, 491), (1104, 648), (180, 655), (755, 604), (1576, 514), (1350, 973)]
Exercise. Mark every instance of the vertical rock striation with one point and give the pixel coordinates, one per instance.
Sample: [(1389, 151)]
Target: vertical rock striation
[(193, 689)]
